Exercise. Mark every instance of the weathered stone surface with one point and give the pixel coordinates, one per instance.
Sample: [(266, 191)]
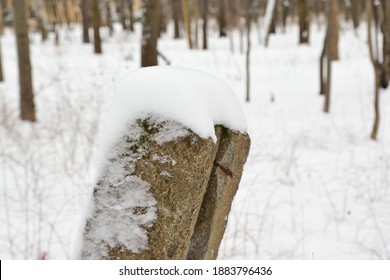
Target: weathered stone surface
[(177, 173), (233, 149), (151, 195)]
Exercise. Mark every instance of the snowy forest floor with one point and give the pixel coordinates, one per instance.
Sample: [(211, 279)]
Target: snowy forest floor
[(314, 186)]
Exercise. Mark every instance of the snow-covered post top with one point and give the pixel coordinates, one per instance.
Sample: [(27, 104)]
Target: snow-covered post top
[(173, 148)]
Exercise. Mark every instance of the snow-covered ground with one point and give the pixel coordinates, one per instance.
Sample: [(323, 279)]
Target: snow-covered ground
[(314, 186)]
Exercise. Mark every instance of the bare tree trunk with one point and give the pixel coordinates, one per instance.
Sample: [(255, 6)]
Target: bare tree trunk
[(269, 17), (304, 21), (1, 29), (55, 22), (149, 33), (85, 15), (187, 21), (335, 30), (175, 15), (96, 27), (221, 19), (131, 14), (205, 11), (196, 21), (38, 8), (373, 50), (285, 4), (385, 77), (240, 26), (1, 20), (329, 50), (355, 10), (1, 64), (322, 60), (122, 14), (27, 107), (248, 18), (109, 17)]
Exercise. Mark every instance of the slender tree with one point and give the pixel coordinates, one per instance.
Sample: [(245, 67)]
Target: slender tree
[(373, 51), (385, 75), (378, 14), (205, 11), (85, 15), (328, 51), (175, 6), (248, 19), (1, 64), (222, 19), (131, 14), (1, 29), (196, 22), (355, 10), (149, 33), (109, 17), (187, 21), (269, 18), (27, 106), (304, 21), (335, 30), (97, 42)]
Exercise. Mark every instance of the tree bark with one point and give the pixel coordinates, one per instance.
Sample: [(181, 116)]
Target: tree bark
[(149, 33), (269, 17), (109, 18), (1, 29), (376, 67), (304, 21), (205, 11), (175, 6), (96, 27), (222, 19), (85, 15), (329, 50), (355, 10), (27, 106), (1, 65), (385, 77), (248, 18), (187, 21), (122, 13), (196, 21), (335, 30), (131, 14)]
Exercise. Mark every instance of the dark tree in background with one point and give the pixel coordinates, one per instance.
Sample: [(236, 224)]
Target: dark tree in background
[(327, 56), (355, 10), (96, 27), (27, 107), (205, 11), (175, 6), (249, 11), (187, 21), (304, 21), (385, 77), (85, 15), (222, 19), (149, 33), (1, 33)]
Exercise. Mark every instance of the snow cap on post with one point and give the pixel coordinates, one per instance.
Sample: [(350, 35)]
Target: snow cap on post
[(174, 148)]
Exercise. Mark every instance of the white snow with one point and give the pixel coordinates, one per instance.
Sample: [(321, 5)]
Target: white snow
[(180, 95), (314, 184), (191, 97)]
